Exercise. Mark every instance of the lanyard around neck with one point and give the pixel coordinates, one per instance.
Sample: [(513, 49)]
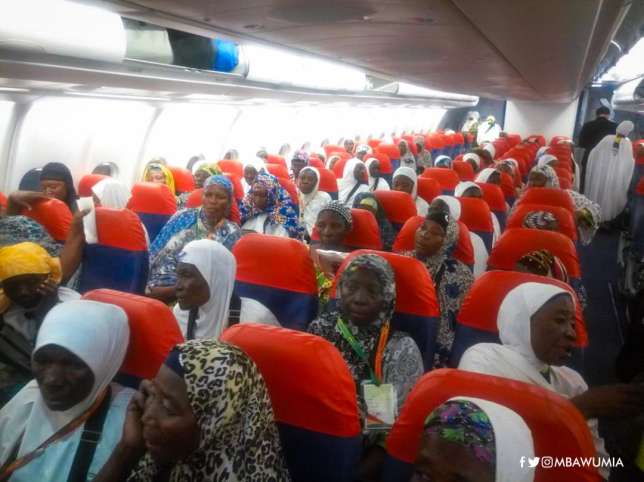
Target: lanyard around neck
[(374, 372)]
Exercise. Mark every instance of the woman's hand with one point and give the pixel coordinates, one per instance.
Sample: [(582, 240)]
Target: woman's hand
[(23, 200), (621, 400), (132, 438)]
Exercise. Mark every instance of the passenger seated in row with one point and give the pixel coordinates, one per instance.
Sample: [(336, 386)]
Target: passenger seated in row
[(471, 189), (354, 181), (587, 213), (30, 280), (206, 303), (269, 209), (368, 202), (406, 180), (376, 181), (207, 416), (311, 199), (159, 174), (56, 182), (474, 440), (537, 332), (209, 221), (359, 326), (110, 193), (434, 245), (299, 161), (80, 348)]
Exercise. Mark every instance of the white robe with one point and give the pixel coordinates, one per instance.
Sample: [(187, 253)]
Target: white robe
[(487, 133), (312, 203), (609, 176)]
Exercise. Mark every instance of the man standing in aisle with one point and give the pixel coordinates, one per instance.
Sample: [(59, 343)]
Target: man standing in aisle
[(591, 133)]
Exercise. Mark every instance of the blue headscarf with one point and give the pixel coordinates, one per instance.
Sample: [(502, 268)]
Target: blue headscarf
[(220, 180), (279, 206)]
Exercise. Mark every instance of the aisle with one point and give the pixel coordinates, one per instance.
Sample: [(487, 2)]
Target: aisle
[(605, 313)]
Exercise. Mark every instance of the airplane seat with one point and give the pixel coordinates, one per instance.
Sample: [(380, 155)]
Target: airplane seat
[(428, 188), (313, 397), (464, 170), (195, 200), (3, 201), (517, 242), (120, 259), (290, 188), (364, 234), (183, 179), (238, 189), (374, 143), (332, 149), (338, 167), (276, 159), (547, 195), (279, 273), (398, 206), (564, 218), (87, 182), (228, 166), (153, 333), (417, 311), (328, 182), (405, 240), (154, 204), (476, 215), (558, 429), (493, 196), (447, 178), (507, 186), (277, 170), (392, 152), (477, 319), (316, 162), (53, 215), (384, 162)]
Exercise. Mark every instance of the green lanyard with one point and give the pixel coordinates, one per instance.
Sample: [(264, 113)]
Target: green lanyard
[(357, 348)]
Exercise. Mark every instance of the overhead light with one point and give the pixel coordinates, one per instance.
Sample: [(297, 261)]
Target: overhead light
[(206, 97), (115, 96), (267, 64), (13, 89)]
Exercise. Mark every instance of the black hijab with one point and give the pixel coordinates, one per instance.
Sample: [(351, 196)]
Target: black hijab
[(55, 171)]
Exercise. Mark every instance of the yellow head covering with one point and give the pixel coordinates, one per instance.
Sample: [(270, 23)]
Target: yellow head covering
[(26, 258), (167, 174)]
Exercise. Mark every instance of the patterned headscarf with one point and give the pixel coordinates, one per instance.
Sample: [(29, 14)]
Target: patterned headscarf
[(544, 263), (220, 180), (238, 437), (340, 209), (539, 220), (435, 262), (463, 423), (552, 180), (279, 205)]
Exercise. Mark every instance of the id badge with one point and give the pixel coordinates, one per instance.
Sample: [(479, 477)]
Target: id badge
[(382, 405)]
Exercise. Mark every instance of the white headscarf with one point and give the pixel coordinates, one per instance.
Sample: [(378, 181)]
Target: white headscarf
[(98, 334), (409, 173), (305, 198), (111, 193), (489, 147), (198, 165), (453, 204), (473, 157), (513, 320), (541, 151), (348, 180), (485, 174), (512, 440), (610, 169), (461, 187), (217, 265), (439, 160), (546, 159)]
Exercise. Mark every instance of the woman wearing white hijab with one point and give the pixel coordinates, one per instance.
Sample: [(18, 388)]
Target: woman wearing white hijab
[(80, 348), (471, 189), (547, 160), (311, 199), (205, 281), (488, 130), (495, 438), (353, 182), (537, 331), (610, 169), (480, 251), (474, 160), (111, 193), (376, 181), (406, 180)]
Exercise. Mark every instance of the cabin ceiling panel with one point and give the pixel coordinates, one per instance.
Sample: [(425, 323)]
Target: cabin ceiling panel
[(529, 49)]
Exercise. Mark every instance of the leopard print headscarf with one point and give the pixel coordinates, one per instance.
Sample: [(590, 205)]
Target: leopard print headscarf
[(239, 440)]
